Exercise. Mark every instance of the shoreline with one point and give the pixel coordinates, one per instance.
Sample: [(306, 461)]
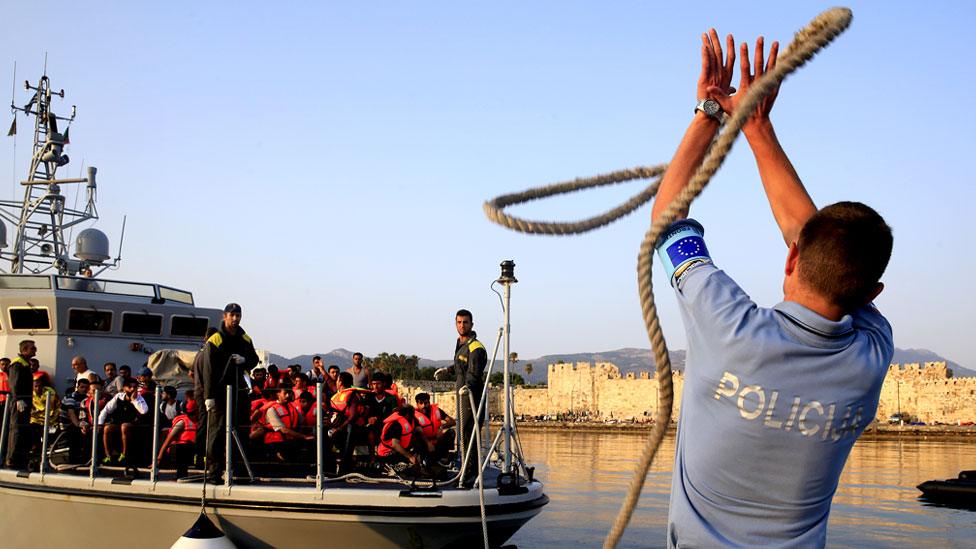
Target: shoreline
[(875, 431)]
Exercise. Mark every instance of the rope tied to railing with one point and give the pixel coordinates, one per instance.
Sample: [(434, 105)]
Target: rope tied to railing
[(806, 43)]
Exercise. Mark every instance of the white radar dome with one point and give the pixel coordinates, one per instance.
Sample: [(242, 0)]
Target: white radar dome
[(92, 246)]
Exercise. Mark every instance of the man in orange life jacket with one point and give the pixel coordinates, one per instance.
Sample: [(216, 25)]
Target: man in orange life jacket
[(435, 425), (283, 420), (181, 441), (401, 438), (348, 422)]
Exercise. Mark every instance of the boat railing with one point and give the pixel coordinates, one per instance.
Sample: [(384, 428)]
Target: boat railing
[(156, 293)]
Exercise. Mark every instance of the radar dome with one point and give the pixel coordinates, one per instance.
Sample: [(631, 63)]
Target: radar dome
[(92, 246)]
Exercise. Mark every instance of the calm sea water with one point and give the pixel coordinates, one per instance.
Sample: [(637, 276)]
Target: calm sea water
[(586, 475)]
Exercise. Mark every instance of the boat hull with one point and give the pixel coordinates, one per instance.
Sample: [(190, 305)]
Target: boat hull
[(254, 516)]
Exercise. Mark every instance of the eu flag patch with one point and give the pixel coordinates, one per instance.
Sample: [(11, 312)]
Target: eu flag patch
[(687, 248)]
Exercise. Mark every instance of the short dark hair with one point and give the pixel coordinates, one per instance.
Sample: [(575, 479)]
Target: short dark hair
[(306, 396), (843, 251), (422, 397), (170, 390), (357, 353), (112, 364), (465, 313), (331, 367), (131, 381), (345, 378), (125, 367), (316, 357)]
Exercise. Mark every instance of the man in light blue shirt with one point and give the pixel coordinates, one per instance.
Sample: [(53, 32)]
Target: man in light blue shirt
[(773, 398)]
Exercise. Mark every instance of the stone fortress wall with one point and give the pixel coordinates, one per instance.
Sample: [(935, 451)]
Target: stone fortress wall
[(926, 392)]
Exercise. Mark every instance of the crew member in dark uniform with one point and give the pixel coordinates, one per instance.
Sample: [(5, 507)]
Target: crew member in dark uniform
[(21, 381), (227, 357), (470, 359)]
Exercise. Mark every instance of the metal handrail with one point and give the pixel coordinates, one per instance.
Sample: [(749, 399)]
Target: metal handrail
[(47, 420)]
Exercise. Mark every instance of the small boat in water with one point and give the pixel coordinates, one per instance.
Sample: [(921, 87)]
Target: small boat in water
[(44, 298), (953, 491)]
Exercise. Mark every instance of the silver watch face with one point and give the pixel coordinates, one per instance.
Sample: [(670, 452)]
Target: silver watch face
[(710, 107)]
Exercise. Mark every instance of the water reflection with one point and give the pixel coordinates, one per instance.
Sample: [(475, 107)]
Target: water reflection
[(587, 473)]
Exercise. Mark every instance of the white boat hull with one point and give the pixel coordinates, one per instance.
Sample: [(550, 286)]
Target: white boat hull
[(57, 510)]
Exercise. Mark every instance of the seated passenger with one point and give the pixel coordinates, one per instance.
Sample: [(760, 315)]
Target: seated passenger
[(259, 377), (305, 406), (170, 407), (299, 385), (348, 418), (380, 405), (72, 422), (401, 438), (283, 421), (119, 418), (180, 443), (435, 425), (41, 390)]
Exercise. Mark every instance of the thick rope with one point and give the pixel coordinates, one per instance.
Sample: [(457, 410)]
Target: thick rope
[(807, 42)]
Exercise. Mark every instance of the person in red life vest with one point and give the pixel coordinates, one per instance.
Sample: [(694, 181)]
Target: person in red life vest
[(259, 378), (347, 425), (180, 443), (283, 421), (274, 376), (393, 390), (401, 440), (4, 384), (380, 405), (436, 426), (305, 406), (259, 410), (300, 385)]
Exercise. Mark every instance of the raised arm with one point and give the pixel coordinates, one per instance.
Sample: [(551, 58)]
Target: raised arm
[(788, 199), (716, 73)]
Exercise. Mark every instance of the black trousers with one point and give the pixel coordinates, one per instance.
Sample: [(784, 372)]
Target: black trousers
[(18, 436), (216, 430), (466, 421)]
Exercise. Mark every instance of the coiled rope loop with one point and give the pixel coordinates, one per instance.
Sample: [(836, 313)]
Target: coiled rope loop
[(806, 43)]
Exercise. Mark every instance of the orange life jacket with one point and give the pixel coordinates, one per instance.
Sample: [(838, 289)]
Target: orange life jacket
[(4, 386), (261, 407), (385, 448), (189, 434), (288, 415), (341, 400), (429, 425), (308, 418)]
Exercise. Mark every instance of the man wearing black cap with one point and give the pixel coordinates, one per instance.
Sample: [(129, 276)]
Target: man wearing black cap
[(227, 357)]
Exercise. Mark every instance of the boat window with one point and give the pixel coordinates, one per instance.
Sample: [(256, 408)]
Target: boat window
[(142, 323), (25, 282), (29, 318), (172, 294), (188, 326), (87, 320)]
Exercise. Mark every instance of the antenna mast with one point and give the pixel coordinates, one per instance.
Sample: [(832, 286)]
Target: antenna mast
[(42, 216)]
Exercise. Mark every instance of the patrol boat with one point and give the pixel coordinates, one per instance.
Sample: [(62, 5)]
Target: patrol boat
[(59, 300)]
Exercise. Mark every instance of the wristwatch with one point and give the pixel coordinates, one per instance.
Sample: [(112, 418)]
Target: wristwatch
[(711, 108)]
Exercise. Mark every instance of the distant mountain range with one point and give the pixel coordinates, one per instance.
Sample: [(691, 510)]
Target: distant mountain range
[(627, 359)]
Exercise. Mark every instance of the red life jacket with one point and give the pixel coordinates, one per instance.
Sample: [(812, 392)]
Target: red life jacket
[(189, 434), (385, 448), (393, 390), (261, 407), (308, 418), (288, 415), (429, 425), (341, 401), (4, 386)]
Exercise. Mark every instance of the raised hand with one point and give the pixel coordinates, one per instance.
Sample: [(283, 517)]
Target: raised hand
[(716, 72), (730, 102)]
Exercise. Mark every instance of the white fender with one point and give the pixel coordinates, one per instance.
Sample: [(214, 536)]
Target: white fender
[(203, 535)]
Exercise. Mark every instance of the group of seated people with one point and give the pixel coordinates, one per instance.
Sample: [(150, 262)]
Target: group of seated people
[(361, 427)]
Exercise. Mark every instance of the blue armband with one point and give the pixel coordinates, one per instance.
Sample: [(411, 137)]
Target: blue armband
[(681, 245)]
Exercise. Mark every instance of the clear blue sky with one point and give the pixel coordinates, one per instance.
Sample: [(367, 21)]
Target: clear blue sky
[(325, 164)]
